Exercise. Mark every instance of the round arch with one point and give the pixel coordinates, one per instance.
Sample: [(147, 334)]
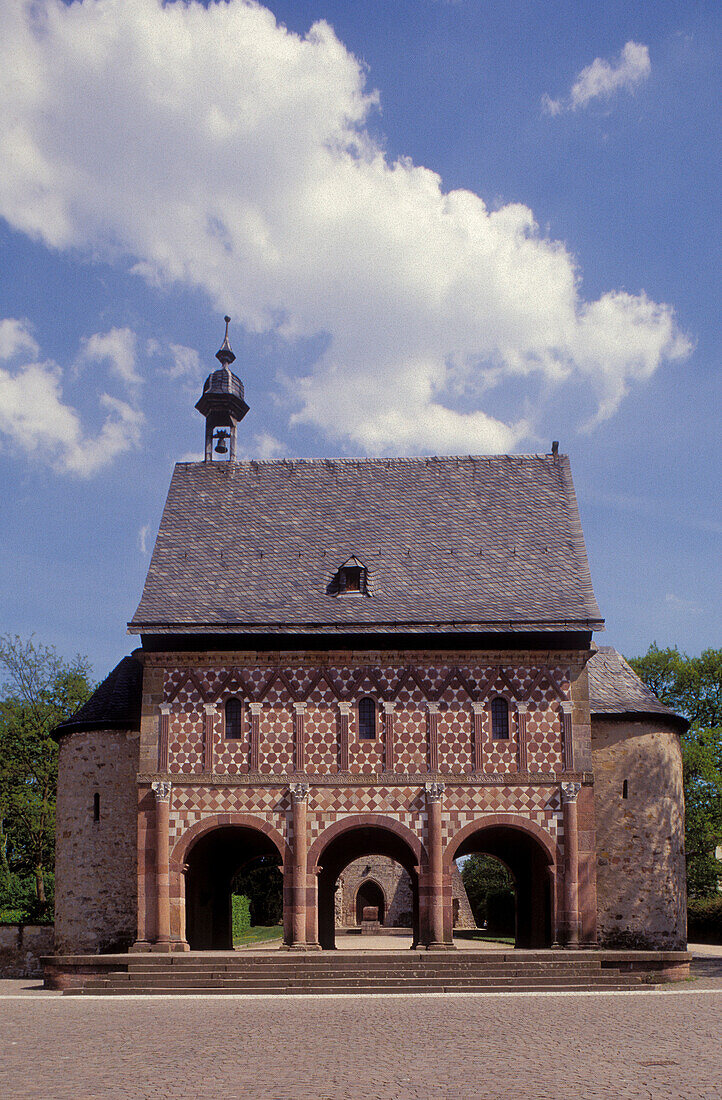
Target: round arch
[(361, 821), (185, 842), (530, 854), (351, 838), (509, 821)]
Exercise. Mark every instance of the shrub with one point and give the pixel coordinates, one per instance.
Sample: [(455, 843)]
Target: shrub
[(704, 920), (241, 910)]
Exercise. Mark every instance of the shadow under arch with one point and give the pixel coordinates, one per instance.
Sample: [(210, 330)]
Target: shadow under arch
[(531, 855), (212, 852), (350, 839)]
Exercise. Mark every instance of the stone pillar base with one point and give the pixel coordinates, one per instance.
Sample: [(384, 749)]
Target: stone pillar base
[(139, 946), (440, 947), (301, 947)]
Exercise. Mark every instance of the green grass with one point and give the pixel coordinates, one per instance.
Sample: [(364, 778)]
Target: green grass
[(258, 934), (471, 934)]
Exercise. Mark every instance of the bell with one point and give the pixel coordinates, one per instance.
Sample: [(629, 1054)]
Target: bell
[(221, 448)]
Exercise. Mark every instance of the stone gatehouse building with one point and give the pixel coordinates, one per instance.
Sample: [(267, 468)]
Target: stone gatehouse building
[(357, 658)]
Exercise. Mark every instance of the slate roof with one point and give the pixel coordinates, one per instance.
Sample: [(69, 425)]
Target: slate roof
[(115, 704), (615, 689), (450, 544)]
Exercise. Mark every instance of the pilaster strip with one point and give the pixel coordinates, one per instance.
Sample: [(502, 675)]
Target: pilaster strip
[(208, 737), (567, 737), (299, 710), (433, 736), (522, 738), (255, 736), (388, 737), (343, 717), (479, 710), (163, 735)]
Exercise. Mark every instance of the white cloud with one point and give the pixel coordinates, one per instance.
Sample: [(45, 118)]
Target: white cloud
[(186, 364), (602, 79), (143, 538), (16, 338), (117, 348), (678, 603), (36, 421), (132, 126)]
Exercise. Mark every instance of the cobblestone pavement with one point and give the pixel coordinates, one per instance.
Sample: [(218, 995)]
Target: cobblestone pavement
[(663, 1044)]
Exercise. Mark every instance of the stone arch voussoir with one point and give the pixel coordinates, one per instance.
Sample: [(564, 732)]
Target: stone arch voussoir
[(359, 821), (183, 845), (510, 821)]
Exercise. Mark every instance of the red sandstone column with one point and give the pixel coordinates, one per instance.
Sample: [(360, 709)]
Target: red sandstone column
[(388, 737), (162, 877), (163, 738), (344, 710), (299, 737), (208, 736), (571, 861), (434, 795), (479, 711), (567, 737), (433, 710), (255, 738), (522, 738), (299, 796)]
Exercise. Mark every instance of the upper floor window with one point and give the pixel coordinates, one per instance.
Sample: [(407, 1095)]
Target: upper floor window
[(367, 719), (499, 719), (234, 719)]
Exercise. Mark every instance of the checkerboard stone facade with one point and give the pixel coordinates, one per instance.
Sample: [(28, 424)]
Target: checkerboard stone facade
[(299, 726)]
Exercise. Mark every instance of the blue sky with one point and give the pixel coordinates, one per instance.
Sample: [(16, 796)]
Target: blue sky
[(438, 227)]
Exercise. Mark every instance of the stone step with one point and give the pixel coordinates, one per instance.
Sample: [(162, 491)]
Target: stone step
[(397, 988)]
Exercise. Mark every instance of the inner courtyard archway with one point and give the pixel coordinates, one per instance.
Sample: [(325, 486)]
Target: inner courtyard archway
[(351, 842), (213, 863), (530, 861), (370, 893)]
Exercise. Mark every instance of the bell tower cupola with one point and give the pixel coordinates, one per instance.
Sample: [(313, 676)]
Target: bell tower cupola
[(223, 405)]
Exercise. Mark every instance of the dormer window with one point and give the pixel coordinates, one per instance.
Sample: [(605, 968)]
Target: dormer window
[(349, 579)]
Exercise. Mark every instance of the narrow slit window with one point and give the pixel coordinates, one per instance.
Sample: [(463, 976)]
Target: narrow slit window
[(500, 720), (367, 720), (96, 807), (625, 789), (234, 720)]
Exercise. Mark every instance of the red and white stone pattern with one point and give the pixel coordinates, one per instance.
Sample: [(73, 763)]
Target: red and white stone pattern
[(451, 688)]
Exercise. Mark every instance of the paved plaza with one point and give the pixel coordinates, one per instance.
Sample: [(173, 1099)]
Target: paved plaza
[(663, 1043)]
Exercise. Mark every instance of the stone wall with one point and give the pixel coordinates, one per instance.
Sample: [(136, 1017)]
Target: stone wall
[(96, 864), (396, 885), (21, 948), (640, 838)]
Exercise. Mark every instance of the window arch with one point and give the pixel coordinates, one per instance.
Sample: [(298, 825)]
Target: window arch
[(499, 719), (234, 719), (367, 719)]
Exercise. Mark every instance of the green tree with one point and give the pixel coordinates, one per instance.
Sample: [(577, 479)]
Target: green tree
[(693, 687), (485, 877), (39, 690), (261, 882)]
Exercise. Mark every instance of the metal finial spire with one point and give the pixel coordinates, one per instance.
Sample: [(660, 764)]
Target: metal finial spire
[(225, 354)]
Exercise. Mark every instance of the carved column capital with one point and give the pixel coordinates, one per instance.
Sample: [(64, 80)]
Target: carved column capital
[(299, 792), (570, 791), (434, 792), (161, 790), (299, 708), (433, 708), (566, 706), (255, 708), (165, 708), (522, 708), (478, 708), (388, 708), (210, 708), (345, 708)]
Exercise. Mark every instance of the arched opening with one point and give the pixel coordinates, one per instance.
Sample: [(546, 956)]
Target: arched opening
[(529, 862), (222, 860), (370, 893), (353, 843)]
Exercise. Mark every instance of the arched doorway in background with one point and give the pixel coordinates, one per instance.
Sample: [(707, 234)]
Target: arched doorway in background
[(370, 893)]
